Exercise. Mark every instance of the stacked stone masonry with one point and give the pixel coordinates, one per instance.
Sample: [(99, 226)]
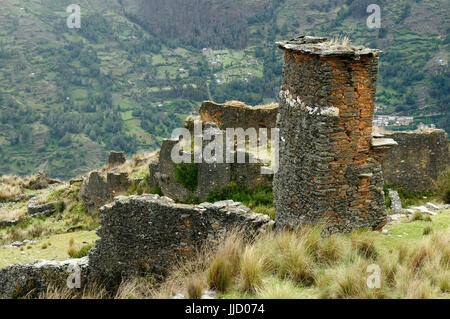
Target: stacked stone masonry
[(148, 234), (236, 114), (31, 280), (210, 176), (418, 160), (329, 170)]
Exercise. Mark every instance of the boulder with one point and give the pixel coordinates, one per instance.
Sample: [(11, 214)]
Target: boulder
[(396, 203), (46, 209)]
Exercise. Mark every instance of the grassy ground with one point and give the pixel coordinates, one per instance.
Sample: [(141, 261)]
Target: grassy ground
[(401, 234), (46, 248), (302, 265)]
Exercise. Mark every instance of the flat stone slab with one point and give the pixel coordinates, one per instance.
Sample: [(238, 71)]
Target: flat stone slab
[(383, 143)]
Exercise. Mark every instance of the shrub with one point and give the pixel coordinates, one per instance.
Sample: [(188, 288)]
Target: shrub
[(420, 216), (412, 198), (427, 230), (265, 210), (156, 190), (60, 206), (225, 263), (80, 253), (260, 196), (186, 174)]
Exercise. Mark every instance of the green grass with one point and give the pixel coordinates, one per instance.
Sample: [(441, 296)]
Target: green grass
[(260, 196), (413, 231), (57, 250)]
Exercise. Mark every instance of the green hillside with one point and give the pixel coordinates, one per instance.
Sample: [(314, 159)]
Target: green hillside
[(135, 69)]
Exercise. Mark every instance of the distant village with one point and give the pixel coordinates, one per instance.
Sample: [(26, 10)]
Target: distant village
[(394, 120)]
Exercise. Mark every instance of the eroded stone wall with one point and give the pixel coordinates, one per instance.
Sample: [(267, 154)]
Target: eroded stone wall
[(418, 159), (148, 234), (99, 188), (210, 175), (30, 280), (328, 167), (235, 114)]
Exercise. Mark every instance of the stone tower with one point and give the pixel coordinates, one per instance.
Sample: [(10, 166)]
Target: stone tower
[(329, 160)]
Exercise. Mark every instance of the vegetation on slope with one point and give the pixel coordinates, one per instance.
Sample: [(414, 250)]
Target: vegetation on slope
[(125, 80)]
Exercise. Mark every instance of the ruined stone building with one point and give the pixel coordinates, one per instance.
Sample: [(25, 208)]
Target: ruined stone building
[(330, 164), (215, 118), (417, 161)]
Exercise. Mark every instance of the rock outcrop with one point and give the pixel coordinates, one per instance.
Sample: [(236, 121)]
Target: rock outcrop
[(417, 161), (396, 203), (46, 209), (29, 280), (148, 234), (42, 181)]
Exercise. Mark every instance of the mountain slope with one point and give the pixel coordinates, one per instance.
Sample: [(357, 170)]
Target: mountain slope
[(136, 68)]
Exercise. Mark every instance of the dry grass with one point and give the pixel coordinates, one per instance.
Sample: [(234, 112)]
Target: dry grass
[(302, 264), (17, 234), (71, 250), (9, 192), (339, 42), (93, 291), (195, 286), (12, 214), (279, 290), (225, 263), (420, 216), (251, 268)]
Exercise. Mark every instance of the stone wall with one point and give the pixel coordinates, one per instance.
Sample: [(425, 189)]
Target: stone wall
[(418, 159), (210, 176), (236, 114), (30, 280), (148, 234), (98, 189), (329, 167)]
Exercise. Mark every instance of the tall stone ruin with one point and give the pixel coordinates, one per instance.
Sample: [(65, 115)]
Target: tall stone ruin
[(329, 160)]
